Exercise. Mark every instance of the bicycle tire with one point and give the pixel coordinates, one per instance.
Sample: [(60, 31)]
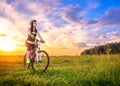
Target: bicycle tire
[(45, 61)]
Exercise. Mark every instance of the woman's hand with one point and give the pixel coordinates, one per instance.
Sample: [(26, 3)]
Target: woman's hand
[(42, 41)]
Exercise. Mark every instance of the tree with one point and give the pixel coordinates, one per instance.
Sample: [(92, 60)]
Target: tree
[(110, 48)]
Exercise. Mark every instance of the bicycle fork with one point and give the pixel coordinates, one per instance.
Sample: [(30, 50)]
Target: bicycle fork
[(38, 56)]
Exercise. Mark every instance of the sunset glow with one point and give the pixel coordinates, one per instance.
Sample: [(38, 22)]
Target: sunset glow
[(7, 45)]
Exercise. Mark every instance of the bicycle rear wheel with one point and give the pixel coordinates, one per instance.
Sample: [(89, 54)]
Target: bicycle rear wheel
[(42, 61)]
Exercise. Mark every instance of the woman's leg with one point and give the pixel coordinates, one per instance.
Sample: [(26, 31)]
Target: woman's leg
[(33, 52), (27, 56)]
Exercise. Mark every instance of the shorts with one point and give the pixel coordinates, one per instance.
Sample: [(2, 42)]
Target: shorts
[(30, 46)]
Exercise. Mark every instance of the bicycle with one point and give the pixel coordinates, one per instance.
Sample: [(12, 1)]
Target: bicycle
[(39, 59)]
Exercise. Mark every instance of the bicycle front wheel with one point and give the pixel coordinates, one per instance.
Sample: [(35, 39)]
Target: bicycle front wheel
[(42, 61)]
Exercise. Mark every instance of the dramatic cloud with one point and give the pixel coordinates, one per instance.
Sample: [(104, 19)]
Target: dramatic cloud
[(111, 17), (73, 14)]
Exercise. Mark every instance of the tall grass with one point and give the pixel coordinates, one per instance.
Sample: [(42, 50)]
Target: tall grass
[(103, 70)]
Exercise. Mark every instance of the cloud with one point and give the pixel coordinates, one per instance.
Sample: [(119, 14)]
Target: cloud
[(9, 12), (113, 36), (111, 17), (73, 14), (100, 38), (80, 45), (92, 4), (77, 16), (104, 30)]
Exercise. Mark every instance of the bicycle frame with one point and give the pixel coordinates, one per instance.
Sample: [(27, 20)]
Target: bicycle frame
[(37, 49)]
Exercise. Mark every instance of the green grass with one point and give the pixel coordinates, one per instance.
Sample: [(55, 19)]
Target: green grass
[(92, 70)]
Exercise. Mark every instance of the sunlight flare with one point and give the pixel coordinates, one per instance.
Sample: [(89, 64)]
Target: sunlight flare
[(7, 45)]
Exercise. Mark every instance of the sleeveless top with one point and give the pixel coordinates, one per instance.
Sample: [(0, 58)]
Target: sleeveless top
[(32, 36)]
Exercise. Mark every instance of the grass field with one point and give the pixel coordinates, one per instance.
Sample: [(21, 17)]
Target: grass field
[(103, 70)]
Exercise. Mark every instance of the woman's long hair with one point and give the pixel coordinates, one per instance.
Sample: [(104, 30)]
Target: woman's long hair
[(31, 25)]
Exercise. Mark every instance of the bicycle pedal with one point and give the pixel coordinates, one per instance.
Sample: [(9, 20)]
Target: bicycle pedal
[(40, 61)]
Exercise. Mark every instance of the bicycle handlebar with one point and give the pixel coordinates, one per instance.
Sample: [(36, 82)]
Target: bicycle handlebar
[(42, 41)]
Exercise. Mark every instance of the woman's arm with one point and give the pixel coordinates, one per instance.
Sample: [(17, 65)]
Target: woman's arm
[(39, 35)]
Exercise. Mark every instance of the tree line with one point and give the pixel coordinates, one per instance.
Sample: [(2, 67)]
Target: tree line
[(111, 48)]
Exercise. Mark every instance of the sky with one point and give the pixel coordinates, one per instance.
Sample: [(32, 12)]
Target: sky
[(67, 26)]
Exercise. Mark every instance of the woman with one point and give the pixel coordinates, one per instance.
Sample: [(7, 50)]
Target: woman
[(30, 42)]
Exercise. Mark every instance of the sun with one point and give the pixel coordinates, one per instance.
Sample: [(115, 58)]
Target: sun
[(7, 45)]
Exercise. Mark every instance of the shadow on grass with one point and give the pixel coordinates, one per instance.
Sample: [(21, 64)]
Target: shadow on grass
[(14, 83)]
